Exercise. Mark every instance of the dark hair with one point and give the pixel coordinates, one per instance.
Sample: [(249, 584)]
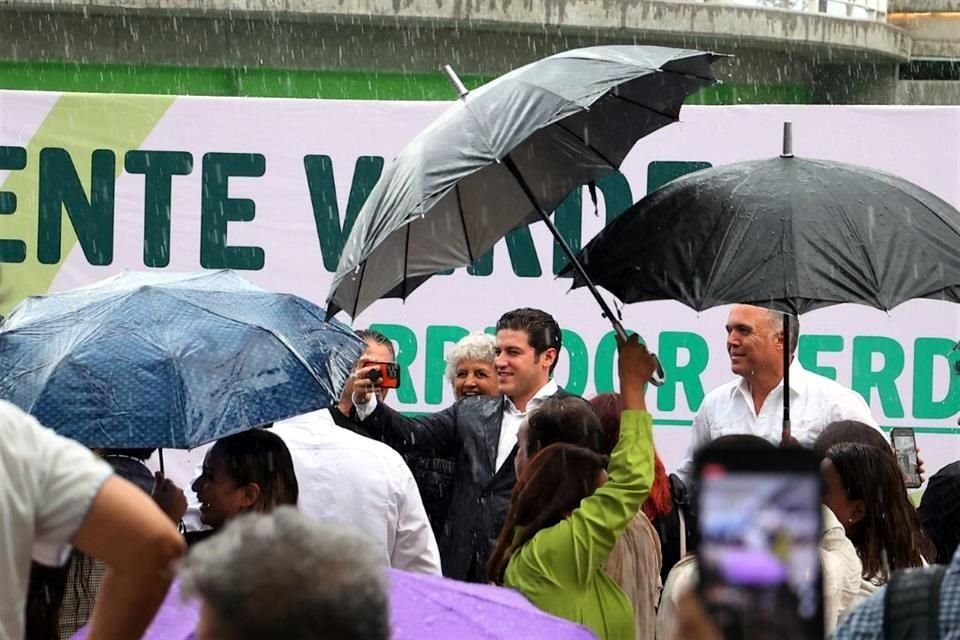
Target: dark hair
[(542, 330), (609, 406), (260, 457), (47, 591), (939, 511), (567, 419), (850, 432), (554, 483), (374, 336), (750, 444), (890, 526), (139, 454)]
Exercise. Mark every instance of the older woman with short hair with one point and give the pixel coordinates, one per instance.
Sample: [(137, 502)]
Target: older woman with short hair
[(470, 366)]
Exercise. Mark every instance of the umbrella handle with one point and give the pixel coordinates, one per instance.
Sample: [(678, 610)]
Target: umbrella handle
[(658, 377)]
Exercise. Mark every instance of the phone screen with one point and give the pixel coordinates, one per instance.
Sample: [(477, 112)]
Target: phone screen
[(760, 553), (905, 446)]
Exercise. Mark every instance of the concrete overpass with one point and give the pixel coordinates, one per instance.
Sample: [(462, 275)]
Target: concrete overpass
[(843, 50)]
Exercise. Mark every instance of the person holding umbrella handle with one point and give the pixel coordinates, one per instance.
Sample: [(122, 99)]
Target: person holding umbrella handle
[(569, 508)]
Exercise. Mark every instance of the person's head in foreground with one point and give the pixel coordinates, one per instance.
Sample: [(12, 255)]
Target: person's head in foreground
[(248, 471), (863, 486), (284, 575), (850, 432), (470, 366), (568, 420)]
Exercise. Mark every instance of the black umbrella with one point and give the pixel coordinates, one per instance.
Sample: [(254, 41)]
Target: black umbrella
[(786, 233), (505, 155)]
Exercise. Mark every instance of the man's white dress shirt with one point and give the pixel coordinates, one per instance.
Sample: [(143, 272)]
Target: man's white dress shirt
[(815, 402), (513, 418), (347, 478)]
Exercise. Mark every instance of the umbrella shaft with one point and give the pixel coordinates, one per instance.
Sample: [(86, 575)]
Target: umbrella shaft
[(512, 167), (786, 432)]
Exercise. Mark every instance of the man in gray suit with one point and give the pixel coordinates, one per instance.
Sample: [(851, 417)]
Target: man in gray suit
[(480, 432)]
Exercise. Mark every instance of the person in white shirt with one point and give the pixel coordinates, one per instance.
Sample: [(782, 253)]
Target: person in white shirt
[(480, 432), (753, 403), (54, 493), (362, 483)]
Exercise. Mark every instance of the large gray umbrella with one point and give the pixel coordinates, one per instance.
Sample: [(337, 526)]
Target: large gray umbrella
[(505, 155), (786, 233)]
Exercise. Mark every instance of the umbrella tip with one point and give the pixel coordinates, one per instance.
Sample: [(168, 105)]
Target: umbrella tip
[(455, 81), (787, 140)]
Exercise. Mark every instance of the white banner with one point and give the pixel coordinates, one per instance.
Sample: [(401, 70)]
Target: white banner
[(264, 185)]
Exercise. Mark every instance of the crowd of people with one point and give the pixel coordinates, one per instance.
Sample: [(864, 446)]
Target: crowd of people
[(291, 527)]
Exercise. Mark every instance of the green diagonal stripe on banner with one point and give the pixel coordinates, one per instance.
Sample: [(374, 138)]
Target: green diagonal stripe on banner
[(79, 123)]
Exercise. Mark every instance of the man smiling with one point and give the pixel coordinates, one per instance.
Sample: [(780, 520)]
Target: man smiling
[(480, 432), (753, 402)]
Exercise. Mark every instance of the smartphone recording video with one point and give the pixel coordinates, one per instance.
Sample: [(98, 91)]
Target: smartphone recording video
[(905, 446), (386, 376), (759, 543)]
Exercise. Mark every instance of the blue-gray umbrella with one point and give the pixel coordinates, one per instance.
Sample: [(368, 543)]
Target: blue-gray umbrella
[(174, 361)]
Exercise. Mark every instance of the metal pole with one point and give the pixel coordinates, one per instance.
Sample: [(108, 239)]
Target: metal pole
[(658, 376), (785, 433), (454, 79), (787, 140)]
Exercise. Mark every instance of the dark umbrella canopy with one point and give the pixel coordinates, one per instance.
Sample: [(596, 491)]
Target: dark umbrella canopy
[(454, 191), (785, 233), (174, 361)]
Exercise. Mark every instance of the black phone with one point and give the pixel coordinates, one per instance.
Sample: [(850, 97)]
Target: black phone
[(905, 446), (759, 525)]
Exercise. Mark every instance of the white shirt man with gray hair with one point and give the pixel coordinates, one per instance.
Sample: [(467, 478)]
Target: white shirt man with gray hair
[(753, 402)]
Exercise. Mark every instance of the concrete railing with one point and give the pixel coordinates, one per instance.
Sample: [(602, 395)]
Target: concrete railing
[(862, 9), (492, 36), (857, 9)]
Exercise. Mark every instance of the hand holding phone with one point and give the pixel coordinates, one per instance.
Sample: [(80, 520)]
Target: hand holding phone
[(905, 446), (385, 375), (759, 521)]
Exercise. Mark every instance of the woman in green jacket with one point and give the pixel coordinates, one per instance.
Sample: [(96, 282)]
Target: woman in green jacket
[(566, 514)]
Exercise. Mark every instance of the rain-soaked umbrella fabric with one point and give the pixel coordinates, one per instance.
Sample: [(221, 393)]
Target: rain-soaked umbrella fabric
[(450, 195), (785, 233), (170, 360), (434, 608), (421, 608)]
